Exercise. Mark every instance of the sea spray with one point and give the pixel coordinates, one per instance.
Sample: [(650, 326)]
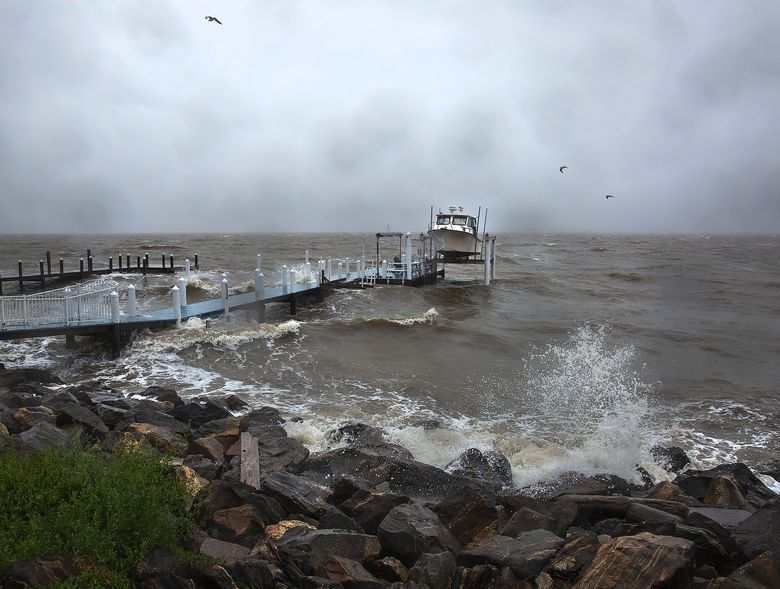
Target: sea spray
[(592, 410)]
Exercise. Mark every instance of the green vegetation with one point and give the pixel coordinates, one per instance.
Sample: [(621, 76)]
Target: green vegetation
[(104, 511)]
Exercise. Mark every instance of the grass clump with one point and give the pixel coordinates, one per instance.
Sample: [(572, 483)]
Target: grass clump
[(106, 511)]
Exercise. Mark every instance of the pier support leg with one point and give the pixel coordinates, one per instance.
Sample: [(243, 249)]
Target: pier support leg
[(116, 344), (70, 341), (293, 305)]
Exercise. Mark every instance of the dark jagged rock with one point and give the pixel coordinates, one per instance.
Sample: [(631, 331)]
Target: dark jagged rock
[(208, 447), (667, 491), (344, 487), (215, 577), (388, 568), (37, 572), (153, 417), (435, 570), (770, 468), (728, 518), (296, 494), (16, 400), (761, 572), (241, 525), (337, 519), (43, 435), (467, 513), (410, 530), (12, 377), (281, 453), (158, 560), (708, 549), (489, 466), (72, 413), (311, 549), (361, 435), (223, 551), (594, 508), (639, 513), (369, 508), (426, 424), (251, 573), (60, 399), (196, 414), (206, 468), (164, 395), (672, 459), (7, 419), (724, 534), (575, 483), (761, 531), (221, 495), (166, 581), (644, 560), (109, 414), (579, 549), (347, 463), (723, 492), (525, 555), (162, 438), (26, 417), (533, 514), (696, 483), (350, 573), (424, 481), (487, 576)]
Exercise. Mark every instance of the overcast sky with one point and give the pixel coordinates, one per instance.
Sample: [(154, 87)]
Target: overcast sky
[(349, 115)]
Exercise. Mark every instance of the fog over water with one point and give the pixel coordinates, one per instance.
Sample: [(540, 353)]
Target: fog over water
[(348, 116)]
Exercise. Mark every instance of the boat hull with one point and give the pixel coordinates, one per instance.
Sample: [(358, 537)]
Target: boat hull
[(455, 244)]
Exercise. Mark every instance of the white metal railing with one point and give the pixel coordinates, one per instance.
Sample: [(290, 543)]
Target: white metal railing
[(88, 302)]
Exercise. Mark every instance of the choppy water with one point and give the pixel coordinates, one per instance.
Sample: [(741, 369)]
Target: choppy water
[(585, 351)]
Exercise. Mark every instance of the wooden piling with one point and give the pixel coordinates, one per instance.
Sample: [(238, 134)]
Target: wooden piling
[(196, 262), (163, 261), (293, 304), (81, 268), (1, 285), (70, 341), (120, 261), (171, 257), (89, 263), (128, 261), (146, 265), (250, 460), (62, 267), (138, 262), (116, 343), (21, 282), (110, 263), (43, 276), (48, 262)]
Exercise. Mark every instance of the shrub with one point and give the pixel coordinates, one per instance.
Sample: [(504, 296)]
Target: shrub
[(105, 511)]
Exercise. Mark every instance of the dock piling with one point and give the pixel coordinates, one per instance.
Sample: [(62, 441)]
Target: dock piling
[(306, 257), (285, 278), (128, 261), (384, 269), (330, 268), (81, 268), (89, 264), (408, 243), (114, 306), (225, 295), (62, 267), (340, 269), (43, 279), (48, 262), (176, 304), (119, 257), (487, 260), (293, 279), (346, 268), (187, 269), (110, 263), (260, 294), (163, 261), (170, 258), (21, 282), (183, 291), (196, 262), (131, 304), (259, 262)]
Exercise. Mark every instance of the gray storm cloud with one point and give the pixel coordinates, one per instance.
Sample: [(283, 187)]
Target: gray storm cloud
[(352, 115)]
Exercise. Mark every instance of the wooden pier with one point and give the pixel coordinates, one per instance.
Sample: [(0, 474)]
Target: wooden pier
[(87, 268)]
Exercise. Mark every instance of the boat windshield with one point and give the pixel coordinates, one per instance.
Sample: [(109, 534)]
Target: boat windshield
[(442, 220), (459, 220)]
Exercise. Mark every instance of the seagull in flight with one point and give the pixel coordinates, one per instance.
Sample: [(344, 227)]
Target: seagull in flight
[(609, 196), (213, 19), (562, 168)]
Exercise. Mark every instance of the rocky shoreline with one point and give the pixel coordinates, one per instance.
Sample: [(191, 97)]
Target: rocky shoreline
[(367, 515)]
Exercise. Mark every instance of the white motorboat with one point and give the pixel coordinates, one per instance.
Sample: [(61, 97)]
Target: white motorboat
[(454, 234)]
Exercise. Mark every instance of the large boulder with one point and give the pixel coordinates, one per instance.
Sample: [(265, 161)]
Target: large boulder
[(760, 573), (296, 494), (761, 531), (486, 575), (310, 550), (37, 572), (369, 508), (708, 548), (163, 438), (467, 513), (667, 491), (409, 530), (435, 570), (644, 560), (525, 555), (594, 508), (696, 483), (533, 514), (197, 413), (724, 492), (489, 466), (350, 573), (12, 377), (220, 495), (72, 413), (43, 435), (673, 459), (579, 549)]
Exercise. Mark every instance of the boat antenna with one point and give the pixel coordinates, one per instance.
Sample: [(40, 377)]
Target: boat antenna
[(479, 212), (484, 226)]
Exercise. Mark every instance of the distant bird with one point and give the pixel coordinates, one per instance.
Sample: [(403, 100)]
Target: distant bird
[(213, 19), (562, 168), (609, 196)]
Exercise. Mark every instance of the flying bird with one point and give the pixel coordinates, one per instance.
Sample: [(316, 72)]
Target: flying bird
[(562, 168), (609, 196), (213, 19)]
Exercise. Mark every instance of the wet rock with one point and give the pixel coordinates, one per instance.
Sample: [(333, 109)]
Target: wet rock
[(525, 555), (728, 518), (196, 414), (723, 492), (208, 447), (163, 395), (347, 463), (7, 419), (427, 482), (336, 519), (593, 508), (467, 513), (574, 483), (369, 508), (435, 570), (350, 573), (281, 453), (427, 424), (696, 483), (761, 531), (644, 560), (410, 530), (37, 572), (770, 468), (17, 400), (241, 525), (486, 575), (489, 466), (12, 377), (388, 568), (72, 413), (225, 430), (60, 399), (579, 549), (153, 417), (110, 415), (344, 487), (540, 515), (761, 572), (724, 534), (296, 494), (161, 438), (311, 549), (672, 459), (639, 513), (708, 549), (43, 435), (667, 491)]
